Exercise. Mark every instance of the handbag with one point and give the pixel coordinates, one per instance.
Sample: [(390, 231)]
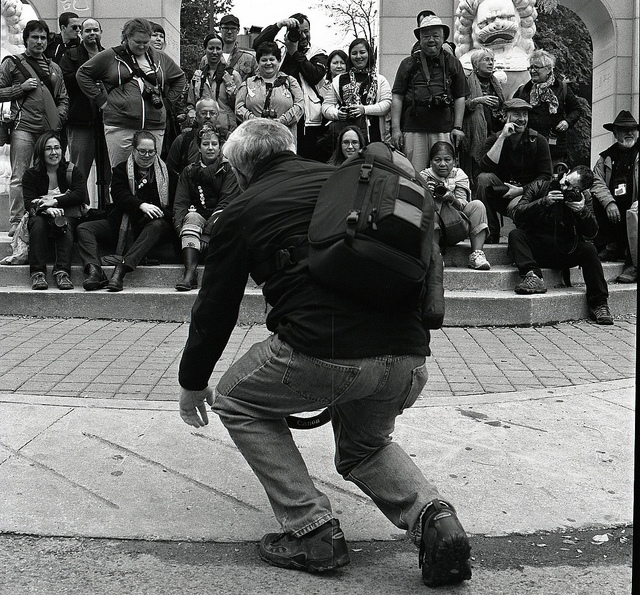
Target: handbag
[(454, 225), (6, 127)]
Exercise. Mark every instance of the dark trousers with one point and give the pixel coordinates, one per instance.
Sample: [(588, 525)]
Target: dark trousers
[(307, 141), (608, 232), (531, 252), (39, 234), (494, 205), (94, 233)]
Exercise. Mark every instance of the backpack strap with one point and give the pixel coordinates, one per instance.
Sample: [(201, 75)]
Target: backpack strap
[(271, 261), (354, 214), (69, 173)]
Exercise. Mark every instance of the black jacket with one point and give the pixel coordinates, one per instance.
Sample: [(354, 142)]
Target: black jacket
[(313, 319), (35, 183)]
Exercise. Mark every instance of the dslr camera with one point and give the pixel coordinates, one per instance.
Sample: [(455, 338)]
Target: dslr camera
[(152, 93), (293, 34), (439, 191), (441, 100), (269, 113), (570, 194)]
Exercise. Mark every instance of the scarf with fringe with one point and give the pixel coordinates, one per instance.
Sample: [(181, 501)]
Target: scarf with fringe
[(543, 93)]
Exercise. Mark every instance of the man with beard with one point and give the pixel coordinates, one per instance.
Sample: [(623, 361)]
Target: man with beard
[(512, 159), (616, 188), (307, 65), (84, 125)]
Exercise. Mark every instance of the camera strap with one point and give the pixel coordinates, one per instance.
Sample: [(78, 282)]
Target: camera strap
[(130, 61)]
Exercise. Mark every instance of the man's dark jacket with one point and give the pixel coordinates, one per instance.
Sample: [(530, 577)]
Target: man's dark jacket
[(310, 317)]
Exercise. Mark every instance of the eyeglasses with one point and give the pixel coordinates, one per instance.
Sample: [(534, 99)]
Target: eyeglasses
[(208, 114), (53, 149), (351, 143), (229, 28), (146, 152), (533, 67), (76, 27)]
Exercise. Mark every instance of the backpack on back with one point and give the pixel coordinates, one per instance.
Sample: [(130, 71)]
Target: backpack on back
[(371, 235)]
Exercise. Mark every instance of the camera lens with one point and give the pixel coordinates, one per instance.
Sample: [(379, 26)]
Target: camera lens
[(440, 190), (293, 34)]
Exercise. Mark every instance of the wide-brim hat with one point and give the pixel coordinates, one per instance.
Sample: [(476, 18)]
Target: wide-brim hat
[(516, 104), (431, 21), (623, 120)]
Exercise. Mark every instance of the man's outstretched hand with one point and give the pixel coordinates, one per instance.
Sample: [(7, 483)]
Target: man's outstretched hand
[(192, 402)]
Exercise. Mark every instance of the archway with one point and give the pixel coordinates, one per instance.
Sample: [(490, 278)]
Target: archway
[(614, 26)]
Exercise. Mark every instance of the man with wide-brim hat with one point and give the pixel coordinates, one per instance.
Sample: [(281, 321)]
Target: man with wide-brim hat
[(616, 188), (428, 94), (512, 159)]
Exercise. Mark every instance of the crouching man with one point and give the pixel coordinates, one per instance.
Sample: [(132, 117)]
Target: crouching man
[(327, 350), (553, 226)]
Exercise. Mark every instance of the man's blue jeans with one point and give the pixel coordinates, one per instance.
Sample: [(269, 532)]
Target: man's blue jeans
[(365, 396)]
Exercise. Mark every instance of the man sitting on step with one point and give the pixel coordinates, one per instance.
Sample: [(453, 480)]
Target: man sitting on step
[(554, 221)]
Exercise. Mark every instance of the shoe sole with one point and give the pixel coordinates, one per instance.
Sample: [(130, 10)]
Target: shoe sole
[(94, 286), (308, 566), (529, 291), (482, 267), (452, 564)]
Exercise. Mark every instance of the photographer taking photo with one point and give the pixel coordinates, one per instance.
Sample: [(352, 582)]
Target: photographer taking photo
[(553, 226)]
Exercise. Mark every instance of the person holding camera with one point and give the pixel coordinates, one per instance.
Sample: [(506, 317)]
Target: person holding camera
[(270, 93), (555, 226), (429, 94), (359, 97), (128, 83), (54, 195), (307, 64), (512, 158)]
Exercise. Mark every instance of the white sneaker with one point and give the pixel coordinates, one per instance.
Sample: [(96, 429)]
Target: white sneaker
[(478, 261)]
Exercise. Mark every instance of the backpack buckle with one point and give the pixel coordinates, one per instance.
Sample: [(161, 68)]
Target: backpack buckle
[(365, 172), (352, 217), (283, 258)]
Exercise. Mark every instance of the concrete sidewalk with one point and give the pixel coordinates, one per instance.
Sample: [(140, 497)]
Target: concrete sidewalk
[(524, 429)]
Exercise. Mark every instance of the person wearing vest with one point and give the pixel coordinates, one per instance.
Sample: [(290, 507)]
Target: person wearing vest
[(616, 189), (128, 83), (554, 106), (307, 64), (35, 87), (429, 94), (511, 159), (84, 124), (216, 80), (271, 93)]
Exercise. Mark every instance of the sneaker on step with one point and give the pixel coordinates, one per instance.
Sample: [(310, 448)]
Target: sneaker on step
[(39, 281), (62, 280), (601, 314), (324, 548), (478, 261), (530, 284), (629, 275), (445, 552)]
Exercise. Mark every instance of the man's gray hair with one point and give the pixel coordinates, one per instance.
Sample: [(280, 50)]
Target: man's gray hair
[(206, 100), (256, 140)]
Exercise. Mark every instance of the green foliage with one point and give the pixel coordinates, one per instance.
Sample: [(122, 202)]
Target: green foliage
[(194, 27), (561, 32)]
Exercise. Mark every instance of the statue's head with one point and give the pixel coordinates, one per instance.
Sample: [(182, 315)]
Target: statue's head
[(497, 24)]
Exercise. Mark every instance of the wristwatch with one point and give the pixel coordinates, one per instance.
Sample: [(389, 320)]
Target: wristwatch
[(457, 127)]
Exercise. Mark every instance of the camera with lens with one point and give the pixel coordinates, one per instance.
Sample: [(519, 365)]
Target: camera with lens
[(269, 113), (441, 101), (570, 194), (153, 94), (293, 34), (58, 225), (440, 191)]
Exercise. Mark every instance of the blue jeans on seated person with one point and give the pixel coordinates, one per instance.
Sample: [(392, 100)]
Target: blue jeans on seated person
[(39, 234), (365, 396)]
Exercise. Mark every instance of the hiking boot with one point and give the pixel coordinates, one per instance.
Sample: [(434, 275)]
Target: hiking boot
[(530, 283), (444, 548), (116, 281), (629, 275), (601, 314), (39, 281), (324, 548), (96, 279), (62, 280), (478, 261)]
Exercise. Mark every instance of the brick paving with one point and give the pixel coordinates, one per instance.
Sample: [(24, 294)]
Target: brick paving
[(139, 360)]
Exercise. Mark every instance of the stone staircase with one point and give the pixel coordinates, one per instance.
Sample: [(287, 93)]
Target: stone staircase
[(473, 298)]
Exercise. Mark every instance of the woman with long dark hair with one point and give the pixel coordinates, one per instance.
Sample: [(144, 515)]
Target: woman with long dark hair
[(350, 140), (54, 194), (359, 97)]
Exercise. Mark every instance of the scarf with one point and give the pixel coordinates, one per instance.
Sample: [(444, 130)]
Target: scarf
[(161, 177), (364, 93), (543, 93)]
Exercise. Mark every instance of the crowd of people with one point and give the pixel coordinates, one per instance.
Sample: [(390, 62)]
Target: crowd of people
[(481, 153)]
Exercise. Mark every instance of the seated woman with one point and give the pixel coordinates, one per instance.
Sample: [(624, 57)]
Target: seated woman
[(360, 96), (270, 93), (349, 142), (450, 185), (54, 193), (203, 190), (141, 217)]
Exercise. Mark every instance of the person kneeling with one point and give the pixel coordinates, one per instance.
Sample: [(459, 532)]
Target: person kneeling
[(553, 226), (458, 218), (203, 190), (140, 218)]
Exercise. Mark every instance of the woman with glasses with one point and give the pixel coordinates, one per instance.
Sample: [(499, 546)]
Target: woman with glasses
[(128, 83), (216, 80), (204, 188), (271, 93), (359, 97), (350, 140), (54, 194), (555, 108), (140, 219)]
